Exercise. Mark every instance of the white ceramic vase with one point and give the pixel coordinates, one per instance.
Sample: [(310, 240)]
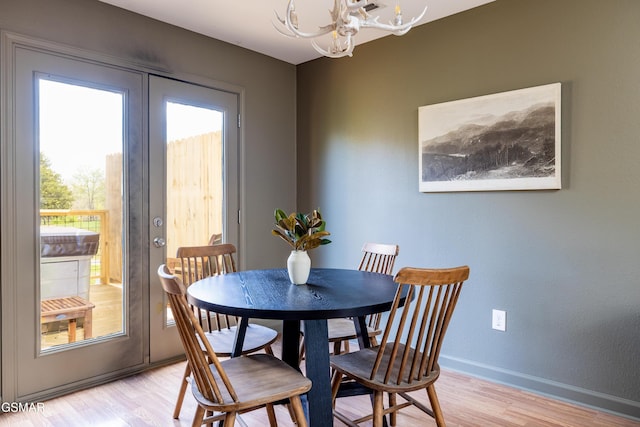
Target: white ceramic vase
[(299, 266)]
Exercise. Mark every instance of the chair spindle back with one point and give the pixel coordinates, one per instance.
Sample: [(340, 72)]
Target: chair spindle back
[(198, 262), (378, 258), (420, 325)]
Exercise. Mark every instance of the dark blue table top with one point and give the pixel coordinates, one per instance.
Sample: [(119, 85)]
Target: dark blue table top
[(268, 294)]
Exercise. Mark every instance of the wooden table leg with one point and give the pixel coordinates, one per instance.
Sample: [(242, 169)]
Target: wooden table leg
[(238, 340), (360, 324), (291, 342)]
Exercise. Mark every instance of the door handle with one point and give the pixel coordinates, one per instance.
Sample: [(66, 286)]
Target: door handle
[(159, 242)]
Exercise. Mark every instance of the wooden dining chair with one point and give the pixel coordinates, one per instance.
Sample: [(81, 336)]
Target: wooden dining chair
[(198, 262), (407, 357), (376, 258), (215, 239), (174, 263), (224, 389)]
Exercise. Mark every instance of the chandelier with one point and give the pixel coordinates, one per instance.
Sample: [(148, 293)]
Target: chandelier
[(347, 18)]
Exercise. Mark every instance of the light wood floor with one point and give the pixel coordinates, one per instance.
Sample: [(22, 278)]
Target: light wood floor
[(147, 399)]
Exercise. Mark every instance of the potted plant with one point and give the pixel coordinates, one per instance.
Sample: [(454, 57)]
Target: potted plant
[(302, 232)]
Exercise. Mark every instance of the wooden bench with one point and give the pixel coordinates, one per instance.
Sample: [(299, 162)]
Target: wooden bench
[(68, 308)]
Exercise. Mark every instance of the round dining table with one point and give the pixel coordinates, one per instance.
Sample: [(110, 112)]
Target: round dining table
[(328, 293)]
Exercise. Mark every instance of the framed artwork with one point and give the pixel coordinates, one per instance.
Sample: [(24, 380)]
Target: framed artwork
[(505, 141)]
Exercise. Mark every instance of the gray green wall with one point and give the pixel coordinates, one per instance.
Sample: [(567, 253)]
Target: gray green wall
[(267, 85), (565, 264)]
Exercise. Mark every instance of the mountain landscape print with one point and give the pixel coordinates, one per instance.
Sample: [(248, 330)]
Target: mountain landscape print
[(505, 141)]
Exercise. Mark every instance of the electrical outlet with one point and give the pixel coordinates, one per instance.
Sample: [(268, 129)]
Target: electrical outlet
[(499, 320)]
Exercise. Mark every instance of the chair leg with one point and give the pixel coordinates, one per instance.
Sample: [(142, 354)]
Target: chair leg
[(301, 352), (378, 408), (271, 415), (198, 417), (435, 405), (181, 392), (291, 414), (296, 405), (337, 347), (393, 401), (230, 419), (208, 414), (335, 386)]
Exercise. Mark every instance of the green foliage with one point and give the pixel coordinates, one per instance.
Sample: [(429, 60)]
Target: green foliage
[(302, 232), (54, 194)]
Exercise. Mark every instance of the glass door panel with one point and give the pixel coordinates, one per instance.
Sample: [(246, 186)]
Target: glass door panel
[(194, 175), (193, 135), (81, 138)]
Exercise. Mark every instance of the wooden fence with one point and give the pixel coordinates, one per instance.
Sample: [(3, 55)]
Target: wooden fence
[(194, 196)]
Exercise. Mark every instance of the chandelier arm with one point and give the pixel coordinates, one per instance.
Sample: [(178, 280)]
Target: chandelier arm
[(335, 12), (284, 33), (355, 5), (395, 29), (347, 52), (323, 30), (336, 51), (292, 31)]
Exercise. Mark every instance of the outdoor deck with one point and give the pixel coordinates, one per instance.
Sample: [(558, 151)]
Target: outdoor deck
[(107, 317)]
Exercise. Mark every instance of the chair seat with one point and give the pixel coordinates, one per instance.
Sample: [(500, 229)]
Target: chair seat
[(258, 379), (342, 329), (256, 338), (358, 366)]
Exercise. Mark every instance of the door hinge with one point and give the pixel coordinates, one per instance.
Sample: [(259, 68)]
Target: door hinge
[(238, 216), (238, 121)]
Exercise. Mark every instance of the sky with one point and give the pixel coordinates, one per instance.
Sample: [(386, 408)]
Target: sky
[(80, 126), (187, 120)]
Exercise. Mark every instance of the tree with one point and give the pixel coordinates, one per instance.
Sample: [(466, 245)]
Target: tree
[(88, 189), (54, 194)]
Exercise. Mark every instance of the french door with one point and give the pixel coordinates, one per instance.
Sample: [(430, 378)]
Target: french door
[(105, 171), (73, 289), (193, 183)]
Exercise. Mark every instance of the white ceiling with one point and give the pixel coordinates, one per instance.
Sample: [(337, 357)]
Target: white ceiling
[(249, 23)]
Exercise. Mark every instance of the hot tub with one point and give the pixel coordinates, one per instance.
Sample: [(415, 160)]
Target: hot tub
[(65, 261)]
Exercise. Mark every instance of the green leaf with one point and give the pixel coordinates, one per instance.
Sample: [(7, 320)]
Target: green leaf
[(301, 231), (279, 215)]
